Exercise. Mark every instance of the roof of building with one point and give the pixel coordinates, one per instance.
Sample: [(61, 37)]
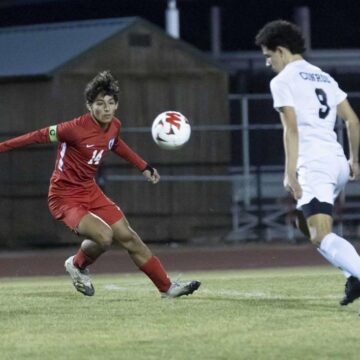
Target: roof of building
[(40, 49)]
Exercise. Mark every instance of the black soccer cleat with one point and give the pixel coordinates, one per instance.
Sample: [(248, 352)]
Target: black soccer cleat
[(352, 290)]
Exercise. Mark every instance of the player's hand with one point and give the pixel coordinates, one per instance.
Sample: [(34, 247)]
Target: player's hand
[(354, 170), (151, 174), (292, 185)]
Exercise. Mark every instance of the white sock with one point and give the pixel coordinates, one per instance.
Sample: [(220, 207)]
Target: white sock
[(331, 261), (341, 254)]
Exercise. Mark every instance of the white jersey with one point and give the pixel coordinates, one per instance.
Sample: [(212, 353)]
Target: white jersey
[(314, 96)]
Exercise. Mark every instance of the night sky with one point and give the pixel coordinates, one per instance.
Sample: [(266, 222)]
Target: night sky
[(334, 23)]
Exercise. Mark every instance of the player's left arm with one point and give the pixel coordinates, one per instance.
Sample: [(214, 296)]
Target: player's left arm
[(123, 150), (291, 147), (346, 112)]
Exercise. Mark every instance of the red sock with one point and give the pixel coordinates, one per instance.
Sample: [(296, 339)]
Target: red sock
[(81, 260), (155, 271)]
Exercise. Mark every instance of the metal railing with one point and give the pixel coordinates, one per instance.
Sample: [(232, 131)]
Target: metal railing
[(258, 198), (253, 185)]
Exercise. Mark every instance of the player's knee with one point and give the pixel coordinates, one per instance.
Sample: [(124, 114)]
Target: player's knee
[(317, 236), (105, 238), (316, 240), (129, 239)]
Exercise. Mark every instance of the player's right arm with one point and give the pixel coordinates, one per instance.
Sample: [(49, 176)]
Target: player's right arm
[(346, 112), (41, 136), (284, 104), (291, 147)]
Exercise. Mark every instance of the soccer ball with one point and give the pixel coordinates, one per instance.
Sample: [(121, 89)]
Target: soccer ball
[(171, 130)]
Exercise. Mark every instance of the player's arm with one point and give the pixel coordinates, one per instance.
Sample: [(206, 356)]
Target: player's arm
[(291, 147), (346, 112), (123, 150), (41, 136)]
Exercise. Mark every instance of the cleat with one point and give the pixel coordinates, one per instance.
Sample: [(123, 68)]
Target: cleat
[(80, 278), (352, 290), (178, 289)]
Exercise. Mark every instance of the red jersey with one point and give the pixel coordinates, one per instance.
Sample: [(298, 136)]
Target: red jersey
[(83, 144)]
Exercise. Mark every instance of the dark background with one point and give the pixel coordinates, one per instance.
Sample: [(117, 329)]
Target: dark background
[(334, 23)]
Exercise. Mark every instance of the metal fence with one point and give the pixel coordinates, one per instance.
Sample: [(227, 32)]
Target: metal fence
[(252, 202), (260, 208)]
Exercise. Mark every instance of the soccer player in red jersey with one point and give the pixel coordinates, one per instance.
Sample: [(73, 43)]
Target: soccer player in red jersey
[(75, 198)]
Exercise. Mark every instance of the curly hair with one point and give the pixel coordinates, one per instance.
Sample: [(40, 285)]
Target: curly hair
[(103, 83), (281, 33)]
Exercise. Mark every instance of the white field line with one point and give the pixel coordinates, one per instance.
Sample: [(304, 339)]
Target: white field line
[(232, 293), (264, 295), (113, 287)]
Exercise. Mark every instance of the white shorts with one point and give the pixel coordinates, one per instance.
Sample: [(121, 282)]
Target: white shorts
[(323, 179)]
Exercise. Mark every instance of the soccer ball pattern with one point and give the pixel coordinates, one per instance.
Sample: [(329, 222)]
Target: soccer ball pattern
[(171, 130)]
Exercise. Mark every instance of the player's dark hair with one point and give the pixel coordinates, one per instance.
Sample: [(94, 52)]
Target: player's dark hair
[(103, 83), (281, 33)]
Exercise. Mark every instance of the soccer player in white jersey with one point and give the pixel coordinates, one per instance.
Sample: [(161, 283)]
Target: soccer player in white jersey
[(316, 169)]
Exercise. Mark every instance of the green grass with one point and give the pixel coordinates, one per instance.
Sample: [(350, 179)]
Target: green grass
[(260, 314)]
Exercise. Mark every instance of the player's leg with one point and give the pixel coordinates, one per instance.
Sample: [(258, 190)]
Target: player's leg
[(302, 225), (314, 217), (92, 225), (95, 228), (338, 252), (131, 242), (99, 238), (76, 216), (140, 254), (319, 225), (319, 210), (148, 263), (88, 252), (123, 234), (324, 179), (336, 249)]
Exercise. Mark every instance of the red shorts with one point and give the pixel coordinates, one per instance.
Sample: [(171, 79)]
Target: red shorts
[(71, 209)]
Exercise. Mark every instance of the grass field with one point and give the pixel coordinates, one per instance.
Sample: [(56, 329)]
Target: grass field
[(262, 314)]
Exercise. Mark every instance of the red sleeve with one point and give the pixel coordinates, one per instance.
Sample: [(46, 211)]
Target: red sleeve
[(120, 148), (35, 137), (68, 131)]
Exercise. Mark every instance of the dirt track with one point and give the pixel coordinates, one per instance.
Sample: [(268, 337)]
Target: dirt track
[(50, 262)]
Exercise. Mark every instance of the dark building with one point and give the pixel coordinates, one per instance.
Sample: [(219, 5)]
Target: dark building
[(42, 78)]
